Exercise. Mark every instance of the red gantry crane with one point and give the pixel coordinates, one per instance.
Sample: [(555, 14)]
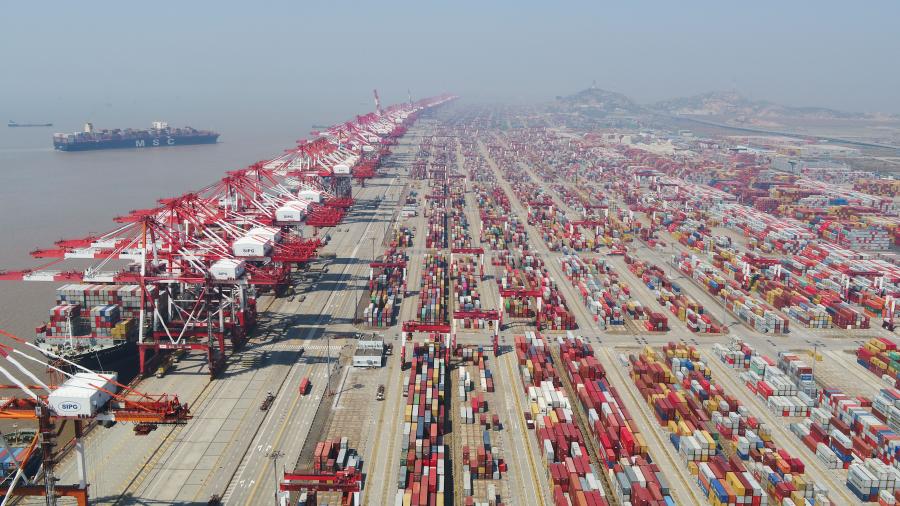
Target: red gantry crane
[(193, 265), (346, 481), (84, 396)]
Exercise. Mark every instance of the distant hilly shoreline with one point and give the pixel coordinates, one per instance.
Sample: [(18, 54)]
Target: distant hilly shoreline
[(715, 104)]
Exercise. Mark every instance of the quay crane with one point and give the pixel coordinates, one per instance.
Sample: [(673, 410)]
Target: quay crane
[(201, 259), (106, 402)]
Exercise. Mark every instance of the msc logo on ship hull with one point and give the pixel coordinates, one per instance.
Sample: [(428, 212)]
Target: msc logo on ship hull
[(140, 143)]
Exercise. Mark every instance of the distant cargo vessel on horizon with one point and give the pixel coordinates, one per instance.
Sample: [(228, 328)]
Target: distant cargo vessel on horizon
[(158, 135), (13, 124)]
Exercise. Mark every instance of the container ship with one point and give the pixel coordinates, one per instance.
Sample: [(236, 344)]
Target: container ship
[(12, 452), (13, 124), (160, 134), (94, 326)]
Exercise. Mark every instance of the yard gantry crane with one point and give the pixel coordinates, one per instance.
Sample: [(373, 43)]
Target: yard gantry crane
[(120, 404), (346, 481)]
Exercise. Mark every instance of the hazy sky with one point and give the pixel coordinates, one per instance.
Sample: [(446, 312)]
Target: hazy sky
[(281, 58)]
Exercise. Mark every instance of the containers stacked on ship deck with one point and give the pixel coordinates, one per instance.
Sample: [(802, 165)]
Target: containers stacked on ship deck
[(127, 297), (635, 478), (422, 464), (671, 297), (789, 389), (730, 452), (105, 312), (432, 307), (880, 356), (386, 288), (574, 478), (64, 321)]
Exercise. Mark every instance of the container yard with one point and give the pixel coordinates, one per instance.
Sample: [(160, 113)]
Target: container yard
[(548, 316)]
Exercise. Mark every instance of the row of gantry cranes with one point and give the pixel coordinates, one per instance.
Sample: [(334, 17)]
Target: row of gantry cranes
[(200, 260)]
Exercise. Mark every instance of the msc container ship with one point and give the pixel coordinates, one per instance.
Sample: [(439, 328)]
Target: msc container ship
[(13, 124), (160, 134)]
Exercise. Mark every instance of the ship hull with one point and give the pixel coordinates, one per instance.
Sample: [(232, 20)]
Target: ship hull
[(121, 358), (144, 142)]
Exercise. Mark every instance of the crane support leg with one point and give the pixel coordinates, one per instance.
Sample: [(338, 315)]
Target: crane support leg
[(79, 455)]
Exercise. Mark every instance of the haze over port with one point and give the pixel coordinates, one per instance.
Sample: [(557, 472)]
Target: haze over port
[(434, 253), (280, 60)]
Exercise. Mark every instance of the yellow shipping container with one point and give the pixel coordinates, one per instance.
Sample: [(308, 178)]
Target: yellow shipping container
[(735, 484), (641, 443)]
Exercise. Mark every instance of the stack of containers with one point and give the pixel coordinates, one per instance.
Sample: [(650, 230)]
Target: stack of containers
[(554, 313), (880, 356), (859, 428), (334, 455), (574, 478), (636, 478), (480, 463), (520, 273), (670, 296), (433, 295), (103, 319), (499, 228), (601, 290), (873, 480), (64, 321), (754, 312), (781, 391), (459, 224), (436, 234), (386, 288), (402, 238), (706, 425), (422, 463), (503, 233), (465, 274), (799, 371)]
